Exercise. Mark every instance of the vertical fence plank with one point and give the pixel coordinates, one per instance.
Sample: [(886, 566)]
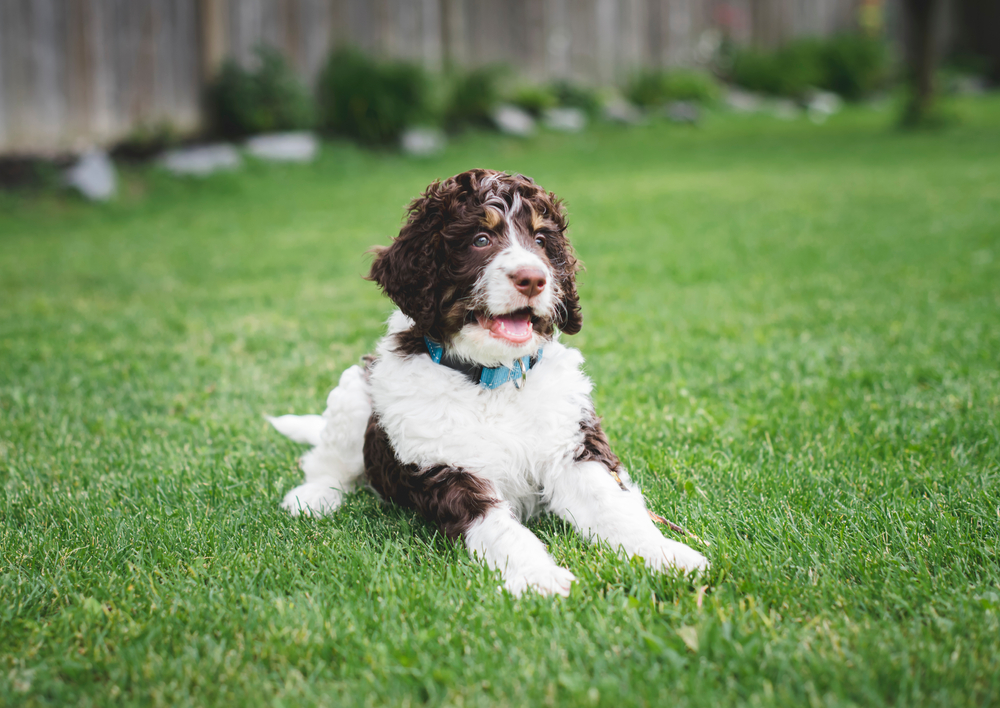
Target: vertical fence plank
[(213, 23), (6, 85), (316, 38), (47, 62), (605, 14)]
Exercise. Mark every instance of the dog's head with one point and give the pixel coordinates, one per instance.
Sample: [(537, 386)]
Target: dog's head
[(483, 265)]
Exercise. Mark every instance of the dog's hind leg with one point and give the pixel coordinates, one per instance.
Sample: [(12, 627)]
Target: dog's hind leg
[(335, 465)]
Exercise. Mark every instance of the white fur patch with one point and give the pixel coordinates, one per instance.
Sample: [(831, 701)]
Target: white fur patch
[(336, 463)]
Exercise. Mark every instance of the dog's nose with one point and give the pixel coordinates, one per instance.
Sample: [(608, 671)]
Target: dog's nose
[(528, 281)]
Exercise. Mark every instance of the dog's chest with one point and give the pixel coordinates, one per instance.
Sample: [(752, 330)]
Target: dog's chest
[(433, 416)]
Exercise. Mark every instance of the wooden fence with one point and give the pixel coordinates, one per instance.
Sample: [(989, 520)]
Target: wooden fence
[(76, 72)]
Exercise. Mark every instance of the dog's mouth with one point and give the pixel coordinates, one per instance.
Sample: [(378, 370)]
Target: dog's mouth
[(514, 327)]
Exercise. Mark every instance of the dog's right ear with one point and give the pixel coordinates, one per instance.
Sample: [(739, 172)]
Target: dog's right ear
[(407, 270)]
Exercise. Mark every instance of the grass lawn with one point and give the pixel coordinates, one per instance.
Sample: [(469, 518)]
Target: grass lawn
[(794, 332)]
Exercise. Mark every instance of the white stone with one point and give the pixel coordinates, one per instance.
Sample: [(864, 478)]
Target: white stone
[(201, 160), (421, 142), (568, 120), (785, 109), (743, 101), (300, 146), (823, 104), (94, 176), (970, 85), (683, 112), (513, 121), (621, 111)]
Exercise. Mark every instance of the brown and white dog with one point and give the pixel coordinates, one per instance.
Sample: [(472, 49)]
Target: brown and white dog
[(472, 411)]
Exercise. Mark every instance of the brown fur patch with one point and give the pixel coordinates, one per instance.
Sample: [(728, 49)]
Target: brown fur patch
[(596, 447), (540, 223), (368, 361), (449, 497), (409, 343), (492, 218)]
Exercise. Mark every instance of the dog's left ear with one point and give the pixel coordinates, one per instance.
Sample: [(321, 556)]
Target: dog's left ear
[(569, 318), (407, 270)]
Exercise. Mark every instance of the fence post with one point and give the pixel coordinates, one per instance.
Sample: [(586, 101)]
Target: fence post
[(213, 33)]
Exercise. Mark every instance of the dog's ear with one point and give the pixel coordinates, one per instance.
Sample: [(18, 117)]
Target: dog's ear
[(407, 270), (569, 319)]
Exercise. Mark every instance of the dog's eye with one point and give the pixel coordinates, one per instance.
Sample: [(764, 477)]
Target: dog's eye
[(481, 241), (540, 241)]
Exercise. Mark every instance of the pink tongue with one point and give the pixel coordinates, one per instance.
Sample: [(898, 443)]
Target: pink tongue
[(515, 327)]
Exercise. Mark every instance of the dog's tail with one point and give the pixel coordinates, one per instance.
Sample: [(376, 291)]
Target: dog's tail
[(336, 462), (300, 428)]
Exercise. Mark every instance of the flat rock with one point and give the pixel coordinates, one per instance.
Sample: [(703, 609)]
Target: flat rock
[(421, 142), (94, 176), (823, 104), (301, 146), (785, 109), (970, 85), (567, 120), (513, 121), (683, 112), (744, 101), (621, 111), (201, 160)]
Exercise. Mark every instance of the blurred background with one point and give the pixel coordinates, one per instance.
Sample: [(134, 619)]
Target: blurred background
[(76, 73)]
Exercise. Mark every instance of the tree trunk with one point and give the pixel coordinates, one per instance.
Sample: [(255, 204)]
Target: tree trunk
[(920, 54)]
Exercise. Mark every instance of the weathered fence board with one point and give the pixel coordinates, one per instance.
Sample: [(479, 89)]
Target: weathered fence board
[(73, 72)]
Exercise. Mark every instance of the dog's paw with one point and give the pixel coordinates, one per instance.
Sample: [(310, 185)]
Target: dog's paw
[(668, 555), (312, 499), (546, 580)]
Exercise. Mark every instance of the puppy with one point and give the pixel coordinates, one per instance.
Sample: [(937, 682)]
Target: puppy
[(472, 411)]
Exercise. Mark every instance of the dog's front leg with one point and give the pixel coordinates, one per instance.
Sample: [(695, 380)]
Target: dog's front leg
[(462, 503), (502, 542), (588, 497)]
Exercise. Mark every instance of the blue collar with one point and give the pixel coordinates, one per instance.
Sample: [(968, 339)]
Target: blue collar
[(487, 377)]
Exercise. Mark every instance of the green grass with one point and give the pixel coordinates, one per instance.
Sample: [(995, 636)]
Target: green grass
[(795, 337)]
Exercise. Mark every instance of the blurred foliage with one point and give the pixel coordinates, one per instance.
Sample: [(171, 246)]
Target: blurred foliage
[(146, 141), (850, 65), (269, 98), (472, 96), (534, 98), (573, 95), (651, 88), (854, 65), (372, 101)]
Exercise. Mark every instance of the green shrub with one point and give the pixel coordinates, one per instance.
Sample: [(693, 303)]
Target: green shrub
[(570, 95), (789, 71), (854, 66), (472, 98), (654, 88), (372, 101), (851, 65), (146, 141), (271, 97), (533, 98)]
